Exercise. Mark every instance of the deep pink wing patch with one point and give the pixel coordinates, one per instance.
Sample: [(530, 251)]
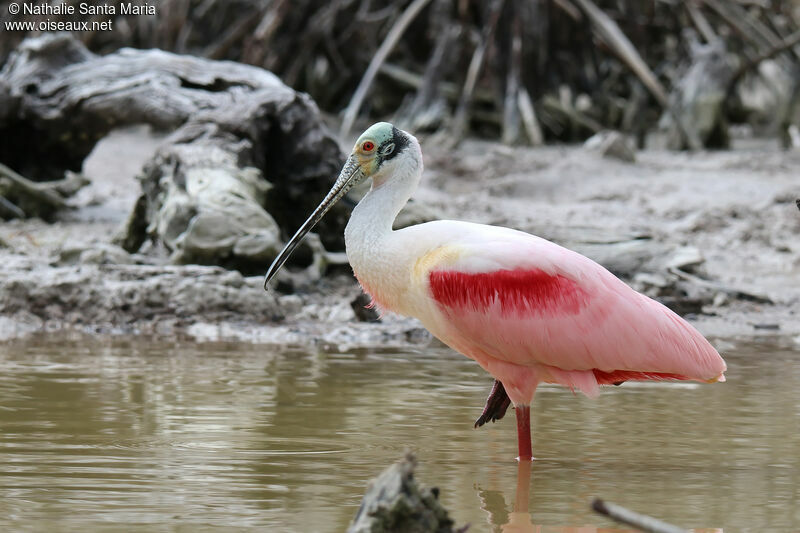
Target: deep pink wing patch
[(618, 376), (520, 291)]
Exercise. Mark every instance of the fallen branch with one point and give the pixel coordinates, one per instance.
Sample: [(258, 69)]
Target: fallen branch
[(25, 198)]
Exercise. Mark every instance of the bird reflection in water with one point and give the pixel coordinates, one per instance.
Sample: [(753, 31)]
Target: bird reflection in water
[(519, 520)]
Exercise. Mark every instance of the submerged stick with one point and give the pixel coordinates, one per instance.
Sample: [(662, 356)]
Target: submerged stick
[(380, 56), (639, 521)]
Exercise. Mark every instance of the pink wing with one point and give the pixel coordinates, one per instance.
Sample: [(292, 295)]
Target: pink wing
[(529, 302)]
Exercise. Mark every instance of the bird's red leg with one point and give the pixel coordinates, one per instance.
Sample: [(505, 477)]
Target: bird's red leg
[(524, 432)]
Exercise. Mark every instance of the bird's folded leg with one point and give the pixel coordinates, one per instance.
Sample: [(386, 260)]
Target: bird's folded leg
[(496, 405)]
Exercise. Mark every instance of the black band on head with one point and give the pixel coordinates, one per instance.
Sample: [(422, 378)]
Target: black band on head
[(400, 141)]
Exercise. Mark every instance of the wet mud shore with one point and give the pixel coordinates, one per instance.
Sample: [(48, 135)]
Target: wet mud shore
[(714, 235)]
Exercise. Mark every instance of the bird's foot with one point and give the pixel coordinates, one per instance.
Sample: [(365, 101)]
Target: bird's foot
[(496, 405)]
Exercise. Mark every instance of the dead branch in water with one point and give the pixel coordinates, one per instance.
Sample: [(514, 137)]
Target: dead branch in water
[(633, 519)]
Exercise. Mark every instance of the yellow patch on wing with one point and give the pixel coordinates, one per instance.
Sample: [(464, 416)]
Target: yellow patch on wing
[(441, 256)]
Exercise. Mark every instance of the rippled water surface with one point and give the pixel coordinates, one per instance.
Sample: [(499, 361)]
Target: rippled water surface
[(134, 434)]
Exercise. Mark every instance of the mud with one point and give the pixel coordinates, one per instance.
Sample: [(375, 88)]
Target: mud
[(713, 234)]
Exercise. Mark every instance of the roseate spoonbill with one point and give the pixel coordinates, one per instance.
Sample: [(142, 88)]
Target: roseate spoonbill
[(525, 309)]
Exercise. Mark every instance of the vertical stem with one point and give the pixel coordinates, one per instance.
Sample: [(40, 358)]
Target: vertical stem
[(459, 124), (510, 115)]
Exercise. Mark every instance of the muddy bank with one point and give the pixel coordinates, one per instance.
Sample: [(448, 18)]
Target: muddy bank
[(713, 235)]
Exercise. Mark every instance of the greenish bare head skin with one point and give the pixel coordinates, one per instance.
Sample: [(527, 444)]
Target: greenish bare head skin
[(379, 132), (381, 143)]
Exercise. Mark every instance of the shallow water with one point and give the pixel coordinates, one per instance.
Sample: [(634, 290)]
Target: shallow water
[(134, 434)]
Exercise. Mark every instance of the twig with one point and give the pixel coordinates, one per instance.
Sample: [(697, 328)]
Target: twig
[(749, 28), (235, 33), (609, 31), (529, 120), (475, 64), (430, 87), (567, 7), (9, 211), (736, 293), (25, 187), (510, 115), (447, 89), (573, 114), (787, 43), (380, 56), (639, 521), (700, 22)]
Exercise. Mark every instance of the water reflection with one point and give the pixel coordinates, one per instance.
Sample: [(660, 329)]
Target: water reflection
[(128, 434), (519, 520)]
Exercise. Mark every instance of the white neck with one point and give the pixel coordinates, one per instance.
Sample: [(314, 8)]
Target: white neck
[(376, 253), (374, 215)]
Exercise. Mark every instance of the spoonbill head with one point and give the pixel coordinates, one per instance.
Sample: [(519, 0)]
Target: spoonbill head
[(525, 309), (376, 155)]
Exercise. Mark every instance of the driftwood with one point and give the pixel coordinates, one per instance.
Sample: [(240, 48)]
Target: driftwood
[(248, 155), (394, 502)]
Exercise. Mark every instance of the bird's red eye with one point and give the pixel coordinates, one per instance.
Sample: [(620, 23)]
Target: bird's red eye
[(367, 146)]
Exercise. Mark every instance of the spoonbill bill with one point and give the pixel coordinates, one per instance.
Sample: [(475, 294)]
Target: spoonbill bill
[(525, 309)]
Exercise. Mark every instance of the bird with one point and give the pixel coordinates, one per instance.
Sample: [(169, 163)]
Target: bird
[(527, 310)]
